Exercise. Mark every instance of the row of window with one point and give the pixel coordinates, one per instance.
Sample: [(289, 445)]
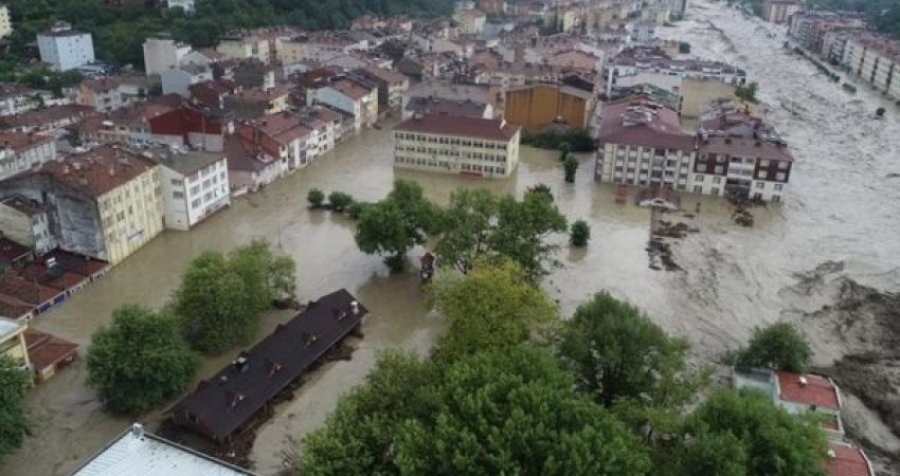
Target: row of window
[(450, 141), (420, 162)]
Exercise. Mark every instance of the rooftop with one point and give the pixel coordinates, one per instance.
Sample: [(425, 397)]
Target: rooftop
[(185, 162), (46, 350), (846, 460), (22, 204), (491, 129), (448, 107), (8, 327), (640, 122), (20, 140), (97, 171), (136, 453), (221, 405), (809, 389), (350, 88)]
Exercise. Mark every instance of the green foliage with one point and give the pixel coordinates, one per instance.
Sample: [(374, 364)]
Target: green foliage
[(580, 233), (522, 228), (47, 80), (578, 140), (14, 427), (315, 197), (507, 411), (616, 352), (570, 165), (747, 92), (339, 201), (779, 346), (467, 224), (750, 432), (355, 209), (220, 299), (684, 47), (119, 31), (140, 361), (396, 224), (492, 307)]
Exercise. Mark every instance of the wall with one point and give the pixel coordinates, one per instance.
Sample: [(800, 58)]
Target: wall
[(132, 214), (541, 105), (696, 94), (459, 155)]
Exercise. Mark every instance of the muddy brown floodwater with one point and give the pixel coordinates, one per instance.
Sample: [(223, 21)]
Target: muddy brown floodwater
[(841, 208)]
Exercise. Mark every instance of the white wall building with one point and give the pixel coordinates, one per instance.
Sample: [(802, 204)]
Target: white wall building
[(162, 54), (179, 80), (20, 151), (350, 97), (64, 48), (194, 185), (186, 5), (5, 22), (457, 145)]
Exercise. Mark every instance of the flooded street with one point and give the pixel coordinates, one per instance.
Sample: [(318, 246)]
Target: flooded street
[(841, 207)]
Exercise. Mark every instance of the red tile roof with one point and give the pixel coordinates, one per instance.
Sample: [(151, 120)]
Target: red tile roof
[(97, 171), (658, 128), (847, 461), (12, 251), (739, 147), (818, 390), (491, 129), (18, 141), (46, 350), (349, 88)]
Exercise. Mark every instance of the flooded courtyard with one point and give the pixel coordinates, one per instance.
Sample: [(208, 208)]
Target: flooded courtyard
[(840, 218)]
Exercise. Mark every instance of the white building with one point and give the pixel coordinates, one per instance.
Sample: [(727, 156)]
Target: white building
[(64, 48), (457, 145), (5, 23), (20, 151), (194, 185), (179, 80), (136, 453), (162, 53), (185, 5), (351, 97), (649, 65), (25, 221)]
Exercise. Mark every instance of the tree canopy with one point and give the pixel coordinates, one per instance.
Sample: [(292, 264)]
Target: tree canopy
[(779, 346), (493, 306), (14, 427), (140, 360)]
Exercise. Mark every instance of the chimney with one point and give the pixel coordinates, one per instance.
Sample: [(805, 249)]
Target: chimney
[(802, 381), (354, 307), (137, 431)]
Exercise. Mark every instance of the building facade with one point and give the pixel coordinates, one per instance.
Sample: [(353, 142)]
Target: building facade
[(457, 145), (780, 11), (194, 185), (20, 151), (544, 104), (162, 53), (26, 222), (64, 48)]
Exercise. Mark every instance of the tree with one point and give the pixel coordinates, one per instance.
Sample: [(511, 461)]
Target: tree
[(214, 306), (507, 411), (564, 150), (494, 306), (315, 197), (355, 209), (266, 276), (570, 165), (522, 228), (339, 201), (580, 233), (616, 353), (396, 224), (467, 224), (14, 427), (139, 361), (747, 92), (779, 346), (684, 47), (746, 427)]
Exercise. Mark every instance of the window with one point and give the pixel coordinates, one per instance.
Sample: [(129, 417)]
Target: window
[(782, 165), (760, 185), (195, 203), (176, 181), (717, 180), (778, 187), (781, 176), (698, 178)]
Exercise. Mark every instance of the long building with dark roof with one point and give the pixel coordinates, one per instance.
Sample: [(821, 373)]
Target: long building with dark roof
[(457, 145), (222, 407)]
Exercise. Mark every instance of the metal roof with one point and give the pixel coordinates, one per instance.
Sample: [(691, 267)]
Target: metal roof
[(136, 453)]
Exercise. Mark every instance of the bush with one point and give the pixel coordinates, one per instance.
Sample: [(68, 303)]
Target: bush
[(315, 197), (339, 201), (14, 382), (580, 233), (140, 361), (355, 209), (570, 165), (748, 92), (572, 140), (684, 47), (779, 346)]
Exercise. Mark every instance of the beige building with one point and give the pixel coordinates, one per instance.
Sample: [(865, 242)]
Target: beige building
[(245, 47), (780, 11), (877, 61), (5, 22), (12, 341), (471, 22), (457, 145)]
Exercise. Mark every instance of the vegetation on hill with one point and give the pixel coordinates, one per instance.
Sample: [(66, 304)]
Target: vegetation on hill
[(119, 31)]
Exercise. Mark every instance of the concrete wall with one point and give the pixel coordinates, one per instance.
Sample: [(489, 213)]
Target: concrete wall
[(541, 105), (696, 94)]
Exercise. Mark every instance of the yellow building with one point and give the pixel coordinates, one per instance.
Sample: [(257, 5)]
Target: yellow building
[(543, 104), (457, 145), (245, 47), (5, 22), (12, 341)]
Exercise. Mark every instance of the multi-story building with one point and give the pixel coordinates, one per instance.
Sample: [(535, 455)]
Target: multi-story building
[(457, 145), (129, 125), (876, 60), (653, 66), (5, 23), (641, 143), (245, 47), (349, 96), (194, 126), (194, 185), (808, 28), (47, 120), (102, 94), (187, 6), (391, 85), (26, 223), (20, 151), (540, 105), (780, 11), (162, 53), (280, 137), (104, 203), (64, 48), (254, 103), (179, 80)]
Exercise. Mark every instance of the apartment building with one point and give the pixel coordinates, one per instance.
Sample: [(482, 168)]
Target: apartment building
[(194, 185), (808, 28), (25, 222), (457, 145), (780, 11), (641, 143), (102, 94), (654, 66), (351, 97), (104, 203), (64, 48), (193, 126), (162, 53), (281, 137), (245, 47), (180, 79), (876, 60), (20, 151), (391, 85), (5, 22)]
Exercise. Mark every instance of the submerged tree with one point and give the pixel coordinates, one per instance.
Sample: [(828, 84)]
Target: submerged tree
[(570, 165), (779, 346), (580, 233), (14, 426), (139, 361)]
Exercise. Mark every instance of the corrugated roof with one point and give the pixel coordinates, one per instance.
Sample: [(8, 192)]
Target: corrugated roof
[(149, 455)]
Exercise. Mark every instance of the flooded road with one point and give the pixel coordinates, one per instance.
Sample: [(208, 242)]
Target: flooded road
[(841, 206)]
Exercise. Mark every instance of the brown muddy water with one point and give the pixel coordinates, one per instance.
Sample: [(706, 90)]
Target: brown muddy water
[(841, 207)]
